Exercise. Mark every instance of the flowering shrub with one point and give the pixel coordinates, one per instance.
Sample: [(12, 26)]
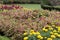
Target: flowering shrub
[(14, 22), (9, 7)]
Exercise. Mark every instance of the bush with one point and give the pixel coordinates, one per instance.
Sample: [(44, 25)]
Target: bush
[(14, 22), (20, 1), (50, 7), (50, 2)]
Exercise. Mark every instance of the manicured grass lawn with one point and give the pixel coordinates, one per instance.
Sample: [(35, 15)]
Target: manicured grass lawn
[(4, 38), (31, 6)]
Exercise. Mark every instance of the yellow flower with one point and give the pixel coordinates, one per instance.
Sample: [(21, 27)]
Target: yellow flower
[(56, 34), (49, 39), (45, 29), (31, 31), (25, 38), (59, 29), (25, 34), (50, 28), (34, 33), (53, 36), (51, 33), (39, 36), (54, 31), (37, 33)]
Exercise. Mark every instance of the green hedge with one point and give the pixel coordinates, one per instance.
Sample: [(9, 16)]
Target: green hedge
[(21, 1), (50, 7)]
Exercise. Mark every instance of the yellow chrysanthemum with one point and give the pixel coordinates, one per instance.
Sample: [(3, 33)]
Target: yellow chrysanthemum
[(50, 28), (53, 36), (45, 29), (49, 39), (54, 31), (37, 33), (40, 37), (59, 29), (31, 31), (51, 33), (25, 38), (56, 34), (34, 33), (25, 34)]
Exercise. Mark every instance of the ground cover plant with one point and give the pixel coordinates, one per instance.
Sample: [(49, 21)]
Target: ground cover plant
[(20, 23)]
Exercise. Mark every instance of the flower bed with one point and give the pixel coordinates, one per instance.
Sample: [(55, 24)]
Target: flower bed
[(14, 23), (47, 33)]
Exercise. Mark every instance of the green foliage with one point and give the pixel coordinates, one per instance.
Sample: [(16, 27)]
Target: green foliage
[(21, 1), (44, 2), (4, 38)]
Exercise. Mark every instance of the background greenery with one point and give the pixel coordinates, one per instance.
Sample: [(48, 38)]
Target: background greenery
[(21, 1), (4, 38)]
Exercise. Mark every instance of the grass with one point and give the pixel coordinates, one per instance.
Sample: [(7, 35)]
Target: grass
[(4, 38), (31, 6)]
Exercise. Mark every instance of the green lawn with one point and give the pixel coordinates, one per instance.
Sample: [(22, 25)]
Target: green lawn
[(31, 6)]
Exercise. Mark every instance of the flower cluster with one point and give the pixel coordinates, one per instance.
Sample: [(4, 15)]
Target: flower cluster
[(47, 33), (32, 35)]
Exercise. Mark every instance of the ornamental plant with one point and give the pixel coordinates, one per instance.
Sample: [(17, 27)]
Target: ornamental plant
[(14, 22), (47, 33)]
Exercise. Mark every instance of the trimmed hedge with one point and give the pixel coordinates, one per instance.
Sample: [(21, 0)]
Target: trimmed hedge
[(50, 2), (20, 1), (50, 7)]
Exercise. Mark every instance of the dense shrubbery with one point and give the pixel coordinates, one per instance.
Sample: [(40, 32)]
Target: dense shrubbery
[(50, 2), (20, 1), (50, 7), (18, 20)]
